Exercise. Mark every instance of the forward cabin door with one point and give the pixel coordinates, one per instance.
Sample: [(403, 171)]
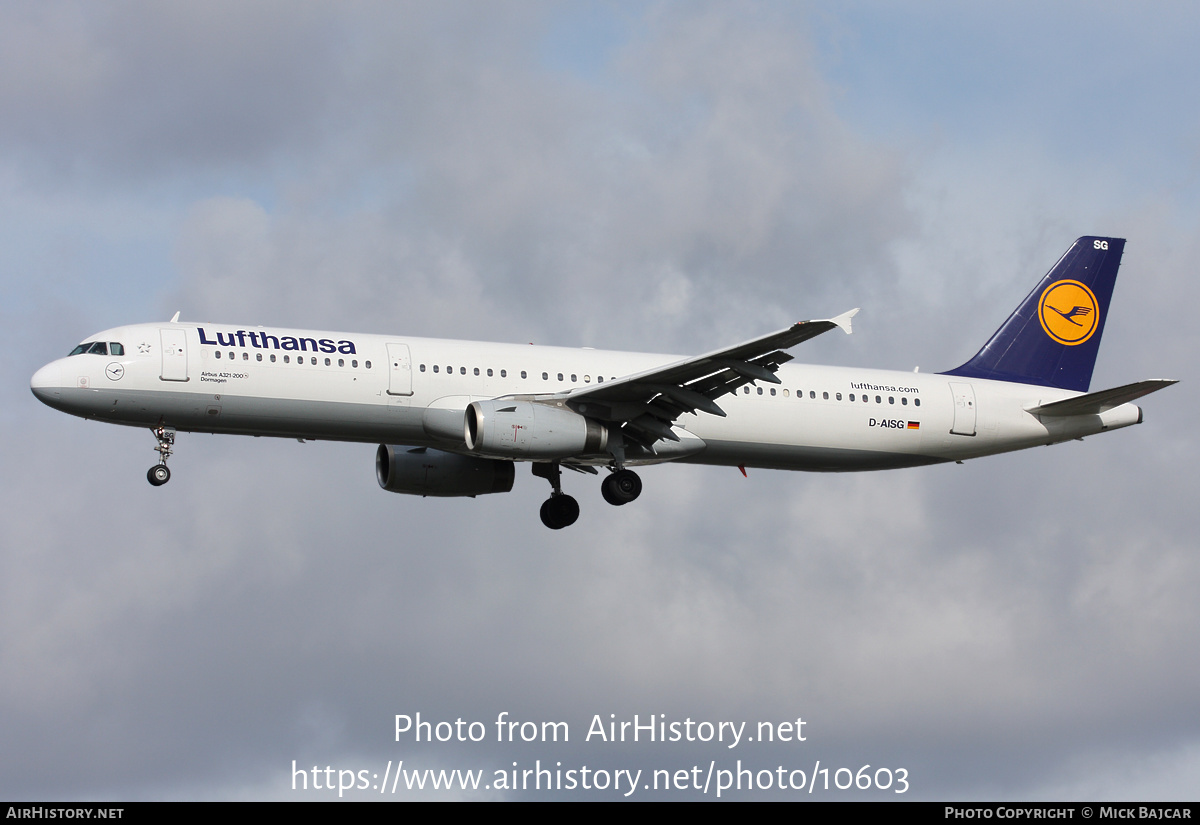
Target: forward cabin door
[(174, 354), (399, 370)]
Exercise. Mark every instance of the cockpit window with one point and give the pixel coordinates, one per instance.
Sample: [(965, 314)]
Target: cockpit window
[(98, 348)]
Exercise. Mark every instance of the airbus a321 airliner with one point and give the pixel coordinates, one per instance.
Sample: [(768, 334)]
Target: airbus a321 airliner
[(465, 412)]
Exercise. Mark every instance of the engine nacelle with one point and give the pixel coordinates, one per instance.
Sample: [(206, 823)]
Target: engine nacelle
[(524, 429), (420, 471)]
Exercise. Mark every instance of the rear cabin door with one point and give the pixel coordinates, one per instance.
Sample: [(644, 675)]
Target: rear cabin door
[(964, 409)]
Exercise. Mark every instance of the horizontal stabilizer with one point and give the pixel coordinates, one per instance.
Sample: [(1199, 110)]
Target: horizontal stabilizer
[(1095, 403)]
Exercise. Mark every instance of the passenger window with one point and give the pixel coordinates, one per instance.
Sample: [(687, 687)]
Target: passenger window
[(759, 390), (812, 393), (272, 358), (503, 373), (851, 396), (745, 390), (341, 362), (904, 402), (785, 394), (435, 367), (772, 390), (354, 363), (422, 368), (523, 375), (116, 349), (573, 378), (462, 370), (218, 353), (891, 400), (878, 400), (245, 356), (328, 362), (916, 402), (367, 364), (258, 356), (599, 379), (545, 376), (825, 396), (286, 360), (839, 396), (477, 370), (587, 379), (560, 376)]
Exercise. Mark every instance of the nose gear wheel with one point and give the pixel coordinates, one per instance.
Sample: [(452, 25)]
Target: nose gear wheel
[(158, 475)]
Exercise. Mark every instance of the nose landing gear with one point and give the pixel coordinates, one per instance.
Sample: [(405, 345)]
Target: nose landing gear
[(158, 475)]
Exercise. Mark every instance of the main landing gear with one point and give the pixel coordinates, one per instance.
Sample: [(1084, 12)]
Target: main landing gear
[(562, 510), (622, 487), (158, 475)]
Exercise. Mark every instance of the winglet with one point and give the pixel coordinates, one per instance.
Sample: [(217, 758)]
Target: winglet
[(843, 320)]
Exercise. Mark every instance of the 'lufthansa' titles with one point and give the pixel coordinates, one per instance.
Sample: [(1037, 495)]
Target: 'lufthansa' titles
[(264, 340)]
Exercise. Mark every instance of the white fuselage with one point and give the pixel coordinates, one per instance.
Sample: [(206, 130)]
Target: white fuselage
[(396, 390)]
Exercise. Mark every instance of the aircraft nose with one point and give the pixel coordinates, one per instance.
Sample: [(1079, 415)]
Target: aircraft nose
[(46, 384)]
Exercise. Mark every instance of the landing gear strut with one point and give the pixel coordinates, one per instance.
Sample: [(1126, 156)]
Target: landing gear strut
[(158, 475), (560, 510), (622, 487)]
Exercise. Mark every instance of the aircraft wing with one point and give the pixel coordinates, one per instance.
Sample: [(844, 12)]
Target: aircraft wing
[(646, 404)]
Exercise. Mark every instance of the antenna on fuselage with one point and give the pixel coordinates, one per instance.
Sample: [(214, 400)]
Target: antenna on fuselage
[(175, 318)]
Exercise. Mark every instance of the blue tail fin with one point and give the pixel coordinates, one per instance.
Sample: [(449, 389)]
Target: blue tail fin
[(1053, 337)]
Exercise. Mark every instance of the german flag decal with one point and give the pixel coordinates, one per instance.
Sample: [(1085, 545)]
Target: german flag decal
[(914, 425)]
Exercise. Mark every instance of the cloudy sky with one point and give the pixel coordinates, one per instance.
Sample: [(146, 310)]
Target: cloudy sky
[(661, 176)]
